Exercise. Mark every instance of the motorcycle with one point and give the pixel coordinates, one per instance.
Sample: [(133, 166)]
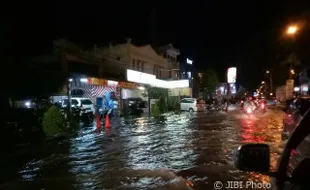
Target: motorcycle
[(87, 116), (249, 111), (263, 107), (225, 107)]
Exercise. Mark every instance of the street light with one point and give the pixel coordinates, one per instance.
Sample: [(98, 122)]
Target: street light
[(263, 82), (270, 80), (291, 30)]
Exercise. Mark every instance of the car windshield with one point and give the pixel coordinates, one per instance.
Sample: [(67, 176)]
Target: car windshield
[(86, 102), (158, 91)]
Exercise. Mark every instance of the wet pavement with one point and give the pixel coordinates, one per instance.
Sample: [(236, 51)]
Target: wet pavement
[(140, 153)]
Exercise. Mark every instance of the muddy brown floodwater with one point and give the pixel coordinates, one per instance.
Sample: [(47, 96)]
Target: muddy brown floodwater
[(139, 153)]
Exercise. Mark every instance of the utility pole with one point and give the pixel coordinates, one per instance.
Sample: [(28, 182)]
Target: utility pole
[(270, 80)]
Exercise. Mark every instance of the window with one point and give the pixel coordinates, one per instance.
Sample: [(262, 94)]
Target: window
[(138, 65), (86, 102), (188, 101), (74, 102), (304, 105), (133, 64), (299, 163), (184, 101), (142, 66)]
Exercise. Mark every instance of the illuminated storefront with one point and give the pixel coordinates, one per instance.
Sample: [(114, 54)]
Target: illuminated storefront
[(144, 78)]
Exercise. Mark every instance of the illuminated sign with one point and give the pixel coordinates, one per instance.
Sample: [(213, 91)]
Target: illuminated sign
[(112, 83), (232, 75), (188, 61), (144, 78), (128, 85), (96, 81)]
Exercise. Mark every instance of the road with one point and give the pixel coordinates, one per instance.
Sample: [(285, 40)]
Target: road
[(144, 154)]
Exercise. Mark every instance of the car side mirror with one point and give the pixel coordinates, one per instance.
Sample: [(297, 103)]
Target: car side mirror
[(253, 157)]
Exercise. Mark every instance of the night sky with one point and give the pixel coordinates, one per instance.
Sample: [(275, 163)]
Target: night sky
[(215, 34)]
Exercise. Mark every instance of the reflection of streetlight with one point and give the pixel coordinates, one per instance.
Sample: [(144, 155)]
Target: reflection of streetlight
[(292, 30)]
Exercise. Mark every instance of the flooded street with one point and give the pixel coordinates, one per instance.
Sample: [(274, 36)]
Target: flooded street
[(143, 154)]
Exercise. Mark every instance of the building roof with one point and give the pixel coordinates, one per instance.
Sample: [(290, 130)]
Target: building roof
[(169, 47)]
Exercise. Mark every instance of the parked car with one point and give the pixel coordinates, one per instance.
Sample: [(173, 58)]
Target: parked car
[(82, 108), (192, 105), (293, 169), (293, 114), (83, 103)]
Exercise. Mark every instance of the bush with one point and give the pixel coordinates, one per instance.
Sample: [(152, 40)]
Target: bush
[(53, 121), (155, 111), (173, 103), (161, 104)]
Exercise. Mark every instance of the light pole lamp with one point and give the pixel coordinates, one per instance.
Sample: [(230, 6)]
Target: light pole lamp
[(270, 80)]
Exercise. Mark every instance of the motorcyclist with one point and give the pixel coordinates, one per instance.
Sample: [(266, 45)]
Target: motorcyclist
[(249, 104)]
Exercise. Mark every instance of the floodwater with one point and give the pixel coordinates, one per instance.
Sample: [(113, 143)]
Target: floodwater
[(187, 151)]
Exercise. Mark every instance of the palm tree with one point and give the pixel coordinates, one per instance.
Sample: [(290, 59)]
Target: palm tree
[(292, 61)]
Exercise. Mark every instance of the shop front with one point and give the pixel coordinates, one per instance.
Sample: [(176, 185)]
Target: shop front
[(95, 89)]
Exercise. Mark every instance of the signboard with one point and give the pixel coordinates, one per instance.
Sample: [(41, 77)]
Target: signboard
[(289, 89), (145, 78), (97, 81), (139, 77), (128, 85), (188, 61), (232, 75)]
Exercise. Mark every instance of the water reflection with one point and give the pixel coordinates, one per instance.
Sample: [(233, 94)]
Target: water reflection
[(268, 131), (139, 153)]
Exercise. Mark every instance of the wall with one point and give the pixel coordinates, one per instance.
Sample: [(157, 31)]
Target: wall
[(127, 55)]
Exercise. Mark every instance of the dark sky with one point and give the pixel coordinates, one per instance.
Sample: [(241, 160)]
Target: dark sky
[(216, 34)]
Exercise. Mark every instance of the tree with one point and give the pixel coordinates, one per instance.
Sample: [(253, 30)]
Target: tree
[(156, 93), (209, 81)]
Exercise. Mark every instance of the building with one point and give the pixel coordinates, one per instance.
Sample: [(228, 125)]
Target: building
[(186, 69), (140, 58), (170, 55)]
